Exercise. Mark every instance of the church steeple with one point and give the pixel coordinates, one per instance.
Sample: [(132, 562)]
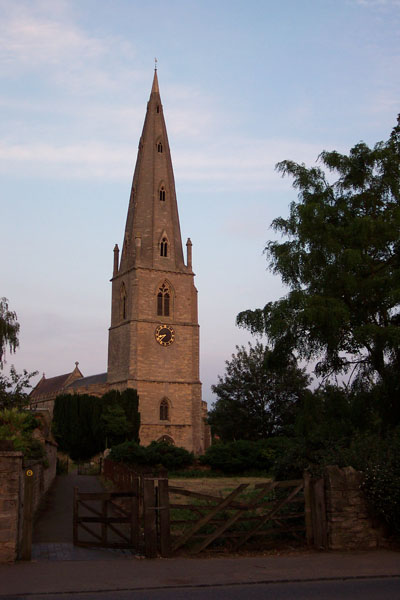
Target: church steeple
[(152, 233), (154, 333)]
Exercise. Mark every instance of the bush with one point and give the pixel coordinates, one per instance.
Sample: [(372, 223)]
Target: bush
[(157, 453), (382, 481), (240, 456), (16, 428)]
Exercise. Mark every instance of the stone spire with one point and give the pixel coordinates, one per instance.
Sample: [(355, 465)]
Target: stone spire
[(153, 213)]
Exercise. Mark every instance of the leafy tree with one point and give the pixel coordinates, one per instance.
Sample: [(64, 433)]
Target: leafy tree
[(9, 329), (257, 396), (16, 429), (120, 416), (13, 388), (341, 262)]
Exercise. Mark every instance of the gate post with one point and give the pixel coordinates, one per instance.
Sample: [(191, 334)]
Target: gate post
[(318, 513), (26, 549), (150, 533), (135, 514), (165, 525), (75, 517), (307, 507)]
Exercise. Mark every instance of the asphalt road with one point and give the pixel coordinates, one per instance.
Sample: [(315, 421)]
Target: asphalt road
[(348, 589)]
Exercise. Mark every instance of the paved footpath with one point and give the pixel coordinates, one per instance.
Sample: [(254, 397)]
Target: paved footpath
[(69, 569), (52, 534), (140, 574)]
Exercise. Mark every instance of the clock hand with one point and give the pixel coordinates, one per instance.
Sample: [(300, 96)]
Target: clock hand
[(161, 337)]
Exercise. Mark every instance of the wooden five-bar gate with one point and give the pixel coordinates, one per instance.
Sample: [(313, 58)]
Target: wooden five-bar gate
[(145, 513)]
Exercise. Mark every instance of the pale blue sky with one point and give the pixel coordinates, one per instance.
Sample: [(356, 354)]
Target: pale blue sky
[(244, 85)]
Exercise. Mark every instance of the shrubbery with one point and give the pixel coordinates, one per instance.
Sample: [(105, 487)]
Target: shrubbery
[(240, 456), (157, 453), (382, 481), (16, 428)]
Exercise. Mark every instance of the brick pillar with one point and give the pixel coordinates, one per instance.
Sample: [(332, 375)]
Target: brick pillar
[(10, 502)]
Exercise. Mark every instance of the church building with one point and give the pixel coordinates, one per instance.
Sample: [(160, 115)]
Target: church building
[(153, 342)]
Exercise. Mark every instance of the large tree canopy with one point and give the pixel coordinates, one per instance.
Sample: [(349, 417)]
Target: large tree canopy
[(9, 329), (341, 262), (257, 397)]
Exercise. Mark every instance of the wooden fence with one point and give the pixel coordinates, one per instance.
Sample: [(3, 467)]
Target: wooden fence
[(267, 511), (173, 518)]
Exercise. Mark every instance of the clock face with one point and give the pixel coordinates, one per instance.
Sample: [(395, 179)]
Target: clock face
[(165, 335)]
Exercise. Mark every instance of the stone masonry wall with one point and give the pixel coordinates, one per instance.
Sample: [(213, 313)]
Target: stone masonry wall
[(349, 524), (10, 494), (12, 473)]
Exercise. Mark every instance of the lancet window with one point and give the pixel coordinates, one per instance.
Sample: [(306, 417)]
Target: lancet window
[(162, 194), (123, 303), (164, 410), (164, 247), (163, 301), (159, 147)]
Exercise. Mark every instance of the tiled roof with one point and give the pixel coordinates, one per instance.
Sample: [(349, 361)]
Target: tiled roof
[(49, 386), (91, 380)]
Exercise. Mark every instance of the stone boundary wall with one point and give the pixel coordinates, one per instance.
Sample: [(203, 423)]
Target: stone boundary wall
[(349, 524), (12, 476), (11, 491)]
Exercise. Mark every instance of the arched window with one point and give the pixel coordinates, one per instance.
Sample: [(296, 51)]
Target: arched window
[(158, 108), (163, 298), (123, 303), (164, 247), (164, 410), (159, 147), (162, 194), (167, 439)]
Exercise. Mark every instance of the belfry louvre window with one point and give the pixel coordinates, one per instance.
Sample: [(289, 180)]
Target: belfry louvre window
[(159, 147), (164, 247), (162, 194), (164, 410), (122, 309), (163, 298)]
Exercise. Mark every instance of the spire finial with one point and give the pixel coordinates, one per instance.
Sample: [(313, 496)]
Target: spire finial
[(155, 64)]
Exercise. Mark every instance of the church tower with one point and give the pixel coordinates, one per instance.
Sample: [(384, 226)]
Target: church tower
[(154, 334)]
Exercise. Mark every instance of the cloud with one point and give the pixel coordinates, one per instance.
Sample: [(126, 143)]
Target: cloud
[(42, 38), (29, 39), (243, 163), (378, 3)]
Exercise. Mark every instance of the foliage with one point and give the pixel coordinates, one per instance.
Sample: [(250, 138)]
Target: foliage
[(84, 425), (257, 396), (382, 481), (120, 416), (13, 388), (16, 427), (239, 457), (9, 330), (341, 262), (157, 453)]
